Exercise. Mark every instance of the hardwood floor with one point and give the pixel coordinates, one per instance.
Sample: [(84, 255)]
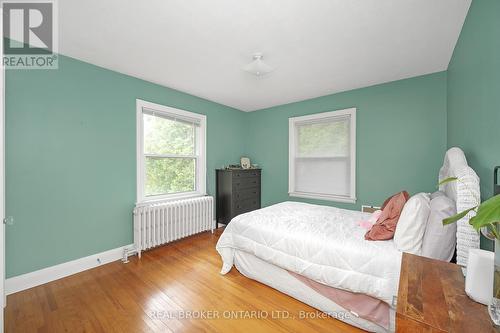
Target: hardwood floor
[(152, 294)]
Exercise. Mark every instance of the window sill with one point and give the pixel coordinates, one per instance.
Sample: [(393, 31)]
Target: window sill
[(174, 197), (318, 196)]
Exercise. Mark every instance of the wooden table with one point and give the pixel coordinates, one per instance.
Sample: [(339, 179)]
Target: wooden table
[(432, 298)]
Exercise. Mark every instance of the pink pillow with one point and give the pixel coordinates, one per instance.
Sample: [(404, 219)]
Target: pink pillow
[(368, 223), (385, 227)]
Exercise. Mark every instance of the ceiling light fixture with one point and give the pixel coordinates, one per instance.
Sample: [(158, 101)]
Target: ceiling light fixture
[(258, 67)]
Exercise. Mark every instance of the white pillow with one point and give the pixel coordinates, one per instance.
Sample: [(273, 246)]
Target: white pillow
[(437, 194), (439, 240), (412, 222)]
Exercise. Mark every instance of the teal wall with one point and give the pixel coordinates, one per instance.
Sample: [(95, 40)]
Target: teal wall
[(71, 158), (70, 142), (401, 138), (474, 92)]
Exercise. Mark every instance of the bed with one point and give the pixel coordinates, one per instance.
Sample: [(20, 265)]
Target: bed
[(299, 248)]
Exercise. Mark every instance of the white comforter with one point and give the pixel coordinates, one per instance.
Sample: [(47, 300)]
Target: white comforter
[(322, 243)]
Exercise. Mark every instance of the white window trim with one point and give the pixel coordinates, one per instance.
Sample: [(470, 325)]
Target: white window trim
[(291, 155), (201, 137)]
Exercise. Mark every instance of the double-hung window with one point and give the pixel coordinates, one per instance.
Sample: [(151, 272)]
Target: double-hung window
[(171, 152), (322, 156)]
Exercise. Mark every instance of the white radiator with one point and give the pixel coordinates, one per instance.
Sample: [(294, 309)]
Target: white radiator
[(162, 222)]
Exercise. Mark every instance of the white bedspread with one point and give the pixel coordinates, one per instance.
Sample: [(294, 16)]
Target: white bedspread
[(321, 243)]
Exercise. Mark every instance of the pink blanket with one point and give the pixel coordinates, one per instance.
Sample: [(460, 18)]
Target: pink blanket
[(364, 306)]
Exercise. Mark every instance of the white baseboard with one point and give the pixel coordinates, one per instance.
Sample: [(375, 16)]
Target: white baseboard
[(36, 278)]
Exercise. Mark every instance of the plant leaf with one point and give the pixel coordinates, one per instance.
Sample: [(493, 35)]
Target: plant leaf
[(447, 180), (457, 217), (488, 213)]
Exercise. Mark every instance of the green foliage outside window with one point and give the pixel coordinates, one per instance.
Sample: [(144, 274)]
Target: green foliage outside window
[(328, 139), (170, 151)]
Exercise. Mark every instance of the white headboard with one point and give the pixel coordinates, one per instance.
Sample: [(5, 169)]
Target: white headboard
[(466, 194)]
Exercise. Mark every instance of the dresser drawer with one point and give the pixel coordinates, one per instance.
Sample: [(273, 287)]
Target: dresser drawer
[(247, 205), (244, 183), (238, 191), (249, 193), (246, 174)]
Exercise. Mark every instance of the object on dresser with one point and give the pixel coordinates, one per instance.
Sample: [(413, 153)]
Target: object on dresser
[(238, 167), (237, 192), (245, 163), (233, 167)]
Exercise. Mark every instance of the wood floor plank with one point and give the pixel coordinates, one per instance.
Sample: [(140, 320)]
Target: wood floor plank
[(157, 293)]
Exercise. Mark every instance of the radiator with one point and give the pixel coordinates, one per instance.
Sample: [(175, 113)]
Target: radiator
[(163, 222)]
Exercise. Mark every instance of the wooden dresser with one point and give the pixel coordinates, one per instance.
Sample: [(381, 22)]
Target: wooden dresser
[(237, 192), (432, 298)]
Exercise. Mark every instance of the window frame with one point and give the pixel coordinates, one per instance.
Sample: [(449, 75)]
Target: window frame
[(321, 117), (200, 151)]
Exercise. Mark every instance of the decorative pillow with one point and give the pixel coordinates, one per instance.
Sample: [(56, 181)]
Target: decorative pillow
[(412, 223), (369, 222), (386, 224), (440, 240)]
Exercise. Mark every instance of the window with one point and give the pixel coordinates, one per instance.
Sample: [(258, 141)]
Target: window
[(322, 156), (171, 152)]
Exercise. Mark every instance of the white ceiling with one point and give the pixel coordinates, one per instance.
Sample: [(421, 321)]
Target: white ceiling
[(317, 47)]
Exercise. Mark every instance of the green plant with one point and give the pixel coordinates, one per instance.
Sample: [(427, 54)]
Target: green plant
[(487, 212)]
